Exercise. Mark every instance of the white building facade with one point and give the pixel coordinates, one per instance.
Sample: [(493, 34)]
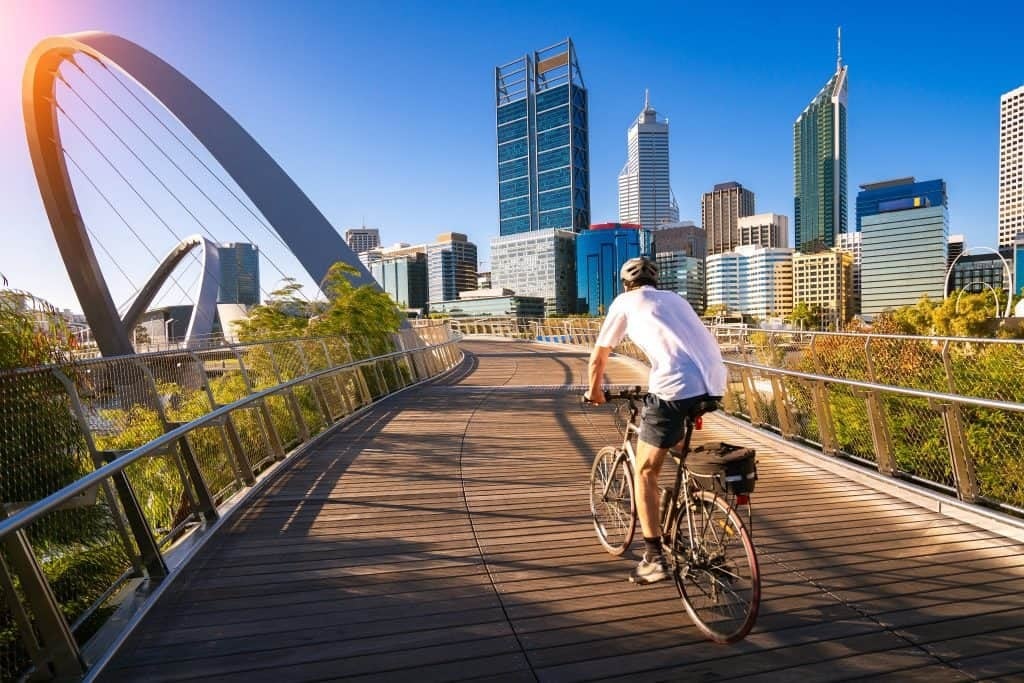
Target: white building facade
[(764, 230), (645, 194), (1011, 166), (362, 239), (850, 242), (751, 280)]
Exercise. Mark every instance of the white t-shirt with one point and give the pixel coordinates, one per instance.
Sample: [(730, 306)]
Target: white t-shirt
[(685, 358)]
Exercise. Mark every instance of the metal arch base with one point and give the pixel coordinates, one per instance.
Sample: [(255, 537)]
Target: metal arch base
[(305, 230), (200, 325)]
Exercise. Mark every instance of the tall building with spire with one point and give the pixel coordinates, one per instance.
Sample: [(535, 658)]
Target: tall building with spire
[(645, 195), (819, 165)]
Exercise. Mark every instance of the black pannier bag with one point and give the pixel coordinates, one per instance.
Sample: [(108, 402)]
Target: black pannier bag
[(723, 468)]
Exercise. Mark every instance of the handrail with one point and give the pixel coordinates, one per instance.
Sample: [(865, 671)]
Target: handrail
[(29, 514), (888, 388)]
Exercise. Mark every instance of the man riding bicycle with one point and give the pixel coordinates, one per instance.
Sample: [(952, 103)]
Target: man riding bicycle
[(686, 367)]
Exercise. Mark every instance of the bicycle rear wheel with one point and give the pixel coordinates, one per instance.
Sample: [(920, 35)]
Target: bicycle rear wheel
[(717, 575), (611, 500)]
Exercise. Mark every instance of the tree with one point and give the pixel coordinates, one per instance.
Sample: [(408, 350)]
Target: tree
[(805, 316), (365, 316)]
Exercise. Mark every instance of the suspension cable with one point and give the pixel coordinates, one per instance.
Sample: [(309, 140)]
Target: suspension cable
[(216, 177), (113, 208), (169, 159)]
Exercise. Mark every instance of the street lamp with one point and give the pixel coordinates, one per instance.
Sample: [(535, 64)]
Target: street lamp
[(1009, 277), (168, 325), (995, 297)]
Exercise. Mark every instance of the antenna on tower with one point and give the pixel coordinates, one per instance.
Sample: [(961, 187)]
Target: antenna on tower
[(647, 99), (839, 48)]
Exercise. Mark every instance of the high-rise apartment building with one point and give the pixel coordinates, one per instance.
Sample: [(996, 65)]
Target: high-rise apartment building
[(720, 211), (239, 276), (903, 252), (543, 152), (600, 253), (645, 194), (1011, 166), (819, 166), (362, 239), (751, 280), (851, 242), (824, 281), (975, 272), (451, 266), (764, 230), (541, 263)]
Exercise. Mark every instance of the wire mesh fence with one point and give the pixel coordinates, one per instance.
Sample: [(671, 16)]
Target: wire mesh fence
[(59, 425)]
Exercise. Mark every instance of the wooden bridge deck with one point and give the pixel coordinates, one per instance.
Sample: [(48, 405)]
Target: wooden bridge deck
[(445, 535)]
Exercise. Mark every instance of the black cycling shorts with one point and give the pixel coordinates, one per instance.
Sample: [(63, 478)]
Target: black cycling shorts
[(661, 422)]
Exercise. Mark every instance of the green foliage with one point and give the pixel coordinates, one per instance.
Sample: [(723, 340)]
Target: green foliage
[(805, 317), (363, 315)]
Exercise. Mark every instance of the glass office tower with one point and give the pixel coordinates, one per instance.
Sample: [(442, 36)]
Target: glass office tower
[(600, 253), (239, 274), (819, 167), (543, 152)]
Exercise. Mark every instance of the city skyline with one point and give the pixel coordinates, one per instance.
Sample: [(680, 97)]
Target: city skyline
[(904, 119)]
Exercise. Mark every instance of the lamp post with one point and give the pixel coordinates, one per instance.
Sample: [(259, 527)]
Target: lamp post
[(1006, 266), (995, 297), (168, 326)]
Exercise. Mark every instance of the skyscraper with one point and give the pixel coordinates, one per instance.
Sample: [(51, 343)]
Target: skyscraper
[(720, 211), (752, 280), (362, 239), (903, 250), (451, 266), (239, 276), (543, 153), (819, 166), (1011, 166), (680, 250), (645, 195)]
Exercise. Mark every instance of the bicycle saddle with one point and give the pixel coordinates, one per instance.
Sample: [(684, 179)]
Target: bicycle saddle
[(705, 404)]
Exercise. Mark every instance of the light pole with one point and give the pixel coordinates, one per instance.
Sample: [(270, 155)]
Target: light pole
[(995, 297), (168, 326), (1006, 266)]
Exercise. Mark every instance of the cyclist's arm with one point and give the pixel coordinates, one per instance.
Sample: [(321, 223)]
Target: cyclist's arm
[(595, 373)]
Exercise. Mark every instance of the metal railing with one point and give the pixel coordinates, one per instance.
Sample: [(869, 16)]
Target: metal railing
[(110, 464), (945, 413)]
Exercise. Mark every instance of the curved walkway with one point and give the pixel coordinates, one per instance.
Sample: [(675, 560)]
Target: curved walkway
[(445, 535)]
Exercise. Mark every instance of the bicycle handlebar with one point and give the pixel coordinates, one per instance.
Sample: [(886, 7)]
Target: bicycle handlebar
[(632, 394)]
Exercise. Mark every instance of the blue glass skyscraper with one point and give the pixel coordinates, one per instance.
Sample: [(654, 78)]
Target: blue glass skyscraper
[(898, 194), (600, 253), (543, 153)]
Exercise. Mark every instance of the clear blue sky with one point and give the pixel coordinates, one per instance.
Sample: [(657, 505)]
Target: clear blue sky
[(384, 111)]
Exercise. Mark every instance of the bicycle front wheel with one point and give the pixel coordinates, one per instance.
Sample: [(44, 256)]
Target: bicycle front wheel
[(716, 569), (611, 499)]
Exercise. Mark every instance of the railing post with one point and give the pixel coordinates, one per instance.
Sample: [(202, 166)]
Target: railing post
[(342, 396), (880, 437), (289, 397), (149, 550), (959, 453), (782, 407), (242, 467), (58, 648), (318, 391), (268, 421), (749, 393), (823, 413)]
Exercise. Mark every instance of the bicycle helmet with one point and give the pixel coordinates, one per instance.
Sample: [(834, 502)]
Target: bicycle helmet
[(639, 269)]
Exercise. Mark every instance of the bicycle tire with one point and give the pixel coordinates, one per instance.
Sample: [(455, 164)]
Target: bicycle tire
[(614, 514), (718, 578)]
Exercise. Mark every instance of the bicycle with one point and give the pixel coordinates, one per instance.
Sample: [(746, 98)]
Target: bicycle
[(707, 545)]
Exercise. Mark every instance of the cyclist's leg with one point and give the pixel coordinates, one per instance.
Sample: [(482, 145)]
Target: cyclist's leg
[(649, 459)]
